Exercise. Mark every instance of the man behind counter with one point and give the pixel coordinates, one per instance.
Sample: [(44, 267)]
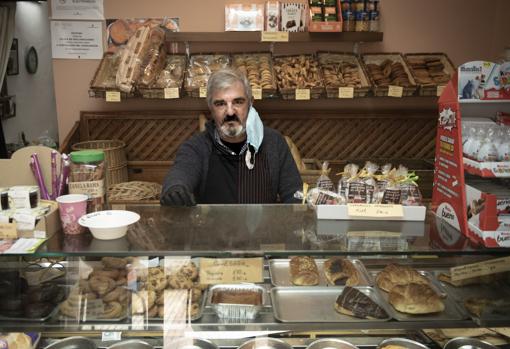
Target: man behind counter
[(236, 160)]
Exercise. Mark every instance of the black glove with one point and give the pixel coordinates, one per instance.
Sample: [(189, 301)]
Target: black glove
[(178, 195)]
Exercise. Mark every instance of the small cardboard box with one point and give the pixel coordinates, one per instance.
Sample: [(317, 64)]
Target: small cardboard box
[(49, 223)]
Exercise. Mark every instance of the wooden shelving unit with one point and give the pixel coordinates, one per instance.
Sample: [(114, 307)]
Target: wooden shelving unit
[(255, 37)]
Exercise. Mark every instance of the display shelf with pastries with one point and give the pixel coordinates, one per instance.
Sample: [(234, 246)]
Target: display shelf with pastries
[(361, 283)]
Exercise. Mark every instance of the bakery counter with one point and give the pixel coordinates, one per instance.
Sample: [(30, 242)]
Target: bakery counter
[(263, 230)]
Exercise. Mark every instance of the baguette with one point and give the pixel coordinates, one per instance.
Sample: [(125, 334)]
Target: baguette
[(303, 271)]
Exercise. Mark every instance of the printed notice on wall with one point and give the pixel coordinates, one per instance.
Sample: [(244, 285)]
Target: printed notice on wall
[(77, 9), (76, 40)]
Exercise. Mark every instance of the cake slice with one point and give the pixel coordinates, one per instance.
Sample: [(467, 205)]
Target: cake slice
[(355, 303)]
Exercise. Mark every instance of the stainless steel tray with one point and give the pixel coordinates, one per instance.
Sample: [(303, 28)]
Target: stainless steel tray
[(279, 271), (26, 319), (237, 311), (203, 300), (316, 304), (495, 291), (451, 312)]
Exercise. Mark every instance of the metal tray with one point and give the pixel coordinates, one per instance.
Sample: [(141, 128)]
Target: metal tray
[(279, 271), (238, 311), (203, 300), (498, 290), (26, 319), (451, 312), (316, 304)]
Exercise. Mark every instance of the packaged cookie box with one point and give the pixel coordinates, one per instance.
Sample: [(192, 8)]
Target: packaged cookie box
[(172, 76), (258, 67), (338, 65), (430, 70), (105, 77), (200, 67), (385, 69), (298, 72)]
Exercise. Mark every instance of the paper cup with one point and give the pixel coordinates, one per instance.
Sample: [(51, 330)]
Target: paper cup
[(71, 208)]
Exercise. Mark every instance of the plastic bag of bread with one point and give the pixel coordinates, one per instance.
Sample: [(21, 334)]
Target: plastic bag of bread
[(356, 191), (324, 182), (410, 194), (15, 340), (172, 73), (368, 176)]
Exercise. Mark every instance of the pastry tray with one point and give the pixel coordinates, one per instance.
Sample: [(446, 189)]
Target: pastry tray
[(279, 271), (496, 290), (317, 304), (451, 312), (26, 319), (203, 300)]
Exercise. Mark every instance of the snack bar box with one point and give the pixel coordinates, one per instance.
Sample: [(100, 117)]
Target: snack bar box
[(411, 213)]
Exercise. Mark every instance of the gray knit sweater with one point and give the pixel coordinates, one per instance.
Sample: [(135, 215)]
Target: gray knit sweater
[(192, 163)]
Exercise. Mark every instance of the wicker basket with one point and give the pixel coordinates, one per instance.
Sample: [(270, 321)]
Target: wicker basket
[(159, 91), (203, 64), (104, 78), (449, 68), (378, 58), (290, 93), (115, 157)]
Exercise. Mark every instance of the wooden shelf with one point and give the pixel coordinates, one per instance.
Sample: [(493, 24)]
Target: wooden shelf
[(255, 37)]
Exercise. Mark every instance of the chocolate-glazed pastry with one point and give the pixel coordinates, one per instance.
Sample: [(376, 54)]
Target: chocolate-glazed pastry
[(355, 303)]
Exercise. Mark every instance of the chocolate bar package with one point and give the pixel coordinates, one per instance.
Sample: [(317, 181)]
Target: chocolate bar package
[(293, 15), (272, 20)]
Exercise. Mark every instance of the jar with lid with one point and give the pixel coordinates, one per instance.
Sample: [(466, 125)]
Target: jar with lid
[(87, 176), (348, 21), (345, 5), (362, 24), (373, 18), (358, 5), (372, 5)]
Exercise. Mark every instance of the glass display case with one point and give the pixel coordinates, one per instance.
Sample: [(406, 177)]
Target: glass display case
[(146, 284)]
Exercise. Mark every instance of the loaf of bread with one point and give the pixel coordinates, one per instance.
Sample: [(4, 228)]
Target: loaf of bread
[(415, 299), (303, 271), (395, 274), (236, 297), (341, 271)]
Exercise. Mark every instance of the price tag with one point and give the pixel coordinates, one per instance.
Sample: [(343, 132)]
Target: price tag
[(440, 90), (274, 37), (375, 210), (112, 96), (492, 266), (256, 93), (8, 231), (346, 92), (230, 270), (171, 92), (302, 94), (395, 91), (202, 92), (111, 336)]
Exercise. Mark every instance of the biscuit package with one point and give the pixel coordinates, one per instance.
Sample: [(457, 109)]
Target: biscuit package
[(356, 191), (239, 17), (382, 182), (392, 194), (410, 194), (342, 184), (324, 182), (272, 19), (368, 176), (293, 17)]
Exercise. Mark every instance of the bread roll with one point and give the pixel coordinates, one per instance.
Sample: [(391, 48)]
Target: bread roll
[(303, 271), (395, 274), (415, 299)]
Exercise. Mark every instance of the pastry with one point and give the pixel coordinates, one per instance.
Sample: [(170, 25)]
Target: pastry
[(38, 310), (180, 282), (415, 299), (480, 306), (112, 310), (101, 284), (114, 262), (355, 303), (341, 271), (303, 271), (236, 297), (395, 274), (120, 32)]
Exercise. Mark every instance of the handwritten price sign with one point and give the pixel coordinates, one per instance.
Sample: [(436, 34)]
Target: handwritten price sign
[(230, 270), (375, 210), (491, 266)]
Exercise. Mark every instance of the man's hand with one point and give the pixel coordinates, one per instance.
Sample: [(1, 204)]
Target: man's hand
[(178, 195)]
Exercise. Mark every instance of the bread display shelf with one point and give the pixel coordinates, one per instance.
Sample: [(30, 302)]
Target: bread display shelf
[(279, 271)]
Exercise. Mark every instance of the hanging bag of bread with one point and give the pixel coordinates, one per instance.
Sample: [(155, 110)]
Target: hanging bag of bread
[(368, 176), (356, 192), (410, 194), (87, 176), (324, 182)]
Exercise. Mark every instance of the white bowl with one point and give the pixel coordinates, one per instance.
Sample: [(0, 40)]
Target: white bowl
[(108, 225)]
